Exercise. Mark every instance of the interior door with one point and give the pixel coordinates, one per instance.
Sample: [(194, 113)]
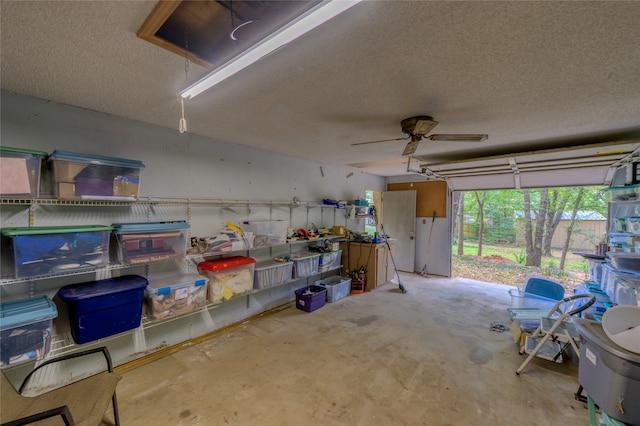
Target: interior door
[(399, 223)]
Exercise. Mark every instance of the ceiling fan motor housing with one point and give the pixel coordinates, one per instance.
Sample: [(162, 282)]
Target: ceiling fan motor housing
[(419, 125)]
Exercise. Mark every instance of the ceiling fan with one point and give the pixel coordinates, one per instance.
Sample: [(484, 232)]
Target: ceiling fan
[(417, 128)]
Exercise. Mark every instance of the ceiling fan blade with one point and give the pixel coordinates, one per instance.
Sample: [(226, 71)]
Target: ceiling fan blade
[(411, 146), (381, 140), (458, 137)]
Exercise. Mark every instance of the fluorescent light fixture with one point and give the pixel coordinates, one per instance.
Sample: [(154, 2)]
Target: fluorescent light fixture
[(301, 25)]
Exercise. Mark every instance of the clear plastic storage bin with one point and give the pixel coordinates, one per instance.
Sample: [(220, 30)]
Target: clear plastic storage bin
[(20, 172), (150, 241), (25, 329), (305, 264), (266, 232), (330, 260), (55, 249), (271, 273), (173, 294), (95, 177), (337, 287), (228, 277)]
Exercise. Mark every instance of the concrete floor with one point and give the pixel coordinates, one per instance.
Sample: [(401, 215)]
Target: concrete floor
[(427, 357)]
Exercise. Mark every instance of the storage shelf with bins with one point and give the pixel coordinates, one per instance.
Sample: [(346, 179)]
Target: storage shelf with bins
[(32, 211), (623, 238)]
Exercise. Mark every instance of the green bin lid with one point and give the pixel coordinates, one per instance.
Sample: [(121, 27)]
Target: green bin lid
[(23, 151), (36, 230)]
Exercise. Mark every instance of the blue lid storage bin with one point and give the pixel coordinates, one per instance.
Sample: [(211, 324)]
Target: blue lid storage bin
[(20, 172), (94, 177), (25, 329), (337, 287), (137, 243), (171, 294), (103, 308), (56, 249)]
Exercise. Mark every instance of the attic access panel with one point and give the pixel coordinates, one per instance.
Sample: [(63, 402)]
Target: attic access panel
[(211, 33)]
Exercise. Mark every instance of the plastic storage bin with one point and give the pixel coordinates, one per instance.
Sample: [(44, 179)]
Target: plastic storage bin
[(266, 232), (627, 289), (305, 264), (337, 287), (94, 177), (271, 273), (173, 294), (311, 298), (628, 262), (49, 250), (522, 299), (609, 373), (25, 329), (621, 193), (150, 241), (20, 172), (228, 276), (103, 308), (330, 260)]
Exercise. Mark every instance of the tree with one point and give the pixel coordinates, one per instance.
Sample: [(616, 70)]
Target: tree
[(534, 239), (574, 214), (460, 220), (555, 209), (528, 226), (480, 197)]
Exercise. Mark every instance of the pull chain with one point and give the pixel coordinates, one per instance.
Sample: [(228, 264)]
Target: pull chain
[(182, 125), (183, 122)]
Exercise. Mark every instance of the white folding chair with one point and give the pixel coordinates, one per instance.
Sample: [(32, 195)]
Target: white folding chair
[(556, 327)]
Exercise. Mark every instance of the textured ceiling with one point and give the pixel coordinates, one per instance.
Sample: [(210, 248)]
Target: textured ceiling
[(532, 75)]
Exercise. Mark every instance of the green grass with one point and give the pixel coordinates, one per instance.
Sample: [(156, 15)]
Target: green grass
[(573, 263)]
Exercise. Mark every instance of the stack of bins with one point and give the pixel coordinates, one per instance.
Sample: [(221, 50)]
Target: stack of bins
[(272, 273), (25, 329), (228, 277), (102, 308)]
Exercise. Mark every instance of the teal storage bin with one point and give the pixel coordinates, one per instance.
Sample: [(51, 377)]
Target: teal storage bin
[(25, 329)]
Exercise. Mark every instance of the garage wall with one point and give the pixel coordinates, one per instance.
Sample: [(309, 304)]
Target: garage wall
[(178, 165)]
